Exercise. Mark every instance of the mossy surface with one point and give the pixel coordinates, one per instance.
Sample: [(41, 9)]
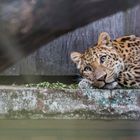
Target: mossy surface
[(56, 85)]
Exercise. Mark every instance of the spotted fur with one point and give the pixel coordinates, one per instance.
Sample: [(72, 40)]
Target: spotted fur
[(111, 61)]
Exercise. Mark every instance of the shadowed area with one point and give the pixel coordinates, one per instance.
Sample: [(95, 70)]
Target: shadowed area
[(69, 130), (26, 25)]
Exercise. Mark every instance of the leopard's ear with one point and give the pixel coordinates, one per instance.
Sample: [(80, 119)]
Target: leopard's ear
[(104, 39), (76, 58)]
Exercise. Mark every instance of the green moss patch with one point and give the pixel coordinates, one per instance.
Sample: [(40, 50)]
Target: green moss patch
[(56, 85)]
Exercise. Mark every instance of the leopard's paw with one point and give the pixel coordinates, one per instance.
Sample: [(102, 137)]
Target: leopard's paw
[(85, 84)]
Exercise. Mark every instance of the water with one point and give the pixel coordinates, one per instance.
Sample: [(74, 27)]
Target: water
[(69, 130)]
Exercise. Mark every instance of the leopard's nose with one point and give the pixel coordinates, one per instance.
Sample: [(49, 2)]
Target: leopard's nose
[(102, 77)]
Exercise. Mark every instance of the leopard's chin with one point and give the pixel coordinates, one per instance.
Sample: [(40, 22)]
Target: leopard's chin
[(99, 84), (102, 83)]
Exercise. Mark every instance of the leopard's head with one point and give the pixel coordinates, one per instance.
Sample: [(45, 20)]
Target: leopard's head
[(100, 64)]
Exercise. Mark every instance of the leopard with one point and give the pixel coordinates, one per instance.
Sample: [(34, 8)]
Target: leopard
[(110, 63)]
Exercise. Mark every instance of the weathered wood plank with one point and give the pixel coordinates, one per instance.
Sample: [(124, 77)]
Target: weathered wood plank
[(132, 21)]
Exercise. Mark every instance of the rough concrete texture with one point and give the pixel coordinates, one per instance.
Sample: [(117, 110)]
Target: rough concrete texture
[(33, 103)]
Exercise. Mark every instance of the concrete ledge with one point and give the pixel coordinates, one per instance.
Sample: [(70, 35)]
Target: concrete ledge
[(33, 103)]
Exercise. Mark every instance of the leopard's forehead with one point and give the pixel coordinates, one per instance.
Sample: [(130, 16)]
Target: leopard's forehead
[(95, 52)]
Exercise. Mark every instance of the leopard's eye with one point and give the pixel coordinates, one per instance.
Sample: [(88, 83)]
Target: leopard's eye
[(102, 59), (87, 68)]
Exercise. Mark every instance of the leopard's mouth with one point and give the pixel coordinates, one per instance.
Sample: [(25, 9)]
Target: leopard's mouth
[(106, 82), (102, 82)]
